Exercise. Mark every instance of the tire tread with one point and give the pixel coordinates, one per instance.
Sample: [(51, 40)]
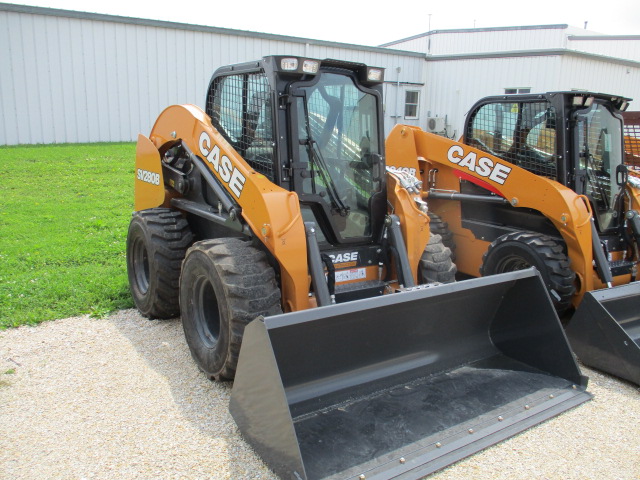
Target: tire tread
[(169, 236), (559, 276), (436, 264), (251, 290)]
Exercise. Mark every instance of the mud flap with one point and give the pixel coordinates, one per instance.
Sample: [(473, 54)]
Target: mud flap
[(605, 331), (402, 385)]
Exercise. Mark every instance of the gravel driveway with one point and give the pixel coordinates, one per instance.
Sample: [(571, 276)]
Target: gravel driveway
[(120, 398)]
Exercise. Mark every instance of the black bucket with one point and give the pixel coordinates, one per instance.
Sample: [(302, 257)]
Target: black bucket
[(402, 385), (605, 331)]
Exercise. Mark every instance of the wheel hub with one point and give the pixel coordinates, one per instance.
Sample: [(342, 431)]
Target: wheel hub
[(206, 314), (141, 266)]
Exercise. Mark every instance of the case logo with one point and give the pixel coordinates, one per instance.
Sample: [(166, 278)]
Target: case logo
[(222, 165), (483, 166), (344, 257)]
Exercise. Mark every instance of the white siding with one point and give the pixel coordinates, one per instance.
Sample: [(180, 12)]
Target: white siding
[(616, 47), (70, 77), (413, 44), (455, 85), (476, 41), (466, 65), (600, 76), (495, 41), (457, 74), (92, 79)]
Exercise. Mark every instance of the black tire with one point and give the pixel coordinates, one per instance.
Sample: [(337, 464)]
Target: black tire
[(225, 284), (520, 250), (439, 227), (157, 242), (436, 264)]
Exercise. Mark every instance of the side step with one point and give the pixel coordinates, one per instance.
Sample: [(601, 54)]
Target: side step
[(605, 331), (402, 385)]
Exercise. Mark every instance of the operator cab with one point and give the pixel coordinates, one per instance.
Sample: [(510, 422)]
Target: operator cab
[(314, 127), (574, 138)]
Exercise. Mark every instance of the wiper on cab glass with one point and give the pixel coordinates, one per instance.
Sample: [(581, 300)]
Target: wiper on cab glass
[(592, 177), (316, 157)]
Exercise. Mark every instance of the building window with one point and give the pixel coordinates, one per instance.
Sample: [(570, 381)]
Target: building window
[(511, 91), (411, 100)]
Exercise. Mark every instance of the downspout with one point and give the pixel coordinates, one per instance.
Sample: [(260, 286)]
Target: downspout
[(397, 115)]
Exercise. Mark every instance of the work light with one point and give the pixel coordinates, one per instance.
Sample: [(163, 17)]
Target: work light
[(289, 64), (375, 74), (310, 66)]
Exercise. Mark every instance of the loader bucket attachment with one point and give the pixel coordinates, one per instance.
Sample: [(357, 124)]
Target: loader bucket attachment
[(605, 331), (402, 385)]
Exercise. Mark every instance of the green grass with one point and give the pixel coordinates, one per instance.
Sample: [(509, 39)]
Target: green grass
[(64, 214)]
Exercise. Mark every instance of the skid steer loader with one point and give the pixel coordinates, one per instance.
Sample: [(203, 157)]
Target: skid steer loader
[(305, 271), (539, 180)]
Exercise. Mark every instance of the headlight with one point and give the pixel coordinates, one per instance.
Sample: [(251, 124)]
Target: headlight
[(580, 101), (289, 64), (375, 75), (310, 66)]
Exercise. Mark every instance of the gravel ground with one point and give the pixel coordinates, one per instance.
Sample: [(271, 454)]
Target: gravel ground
[(120, 397)]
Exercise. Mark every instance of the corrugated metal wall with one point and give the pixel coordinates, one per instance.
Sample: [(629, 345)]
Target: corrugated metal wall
[(510, 39), (466, 65), (74, 77), (455, 85), (498, 40), (601, 76), (100, 78), (419, 43), (478, 40), (627, 47)]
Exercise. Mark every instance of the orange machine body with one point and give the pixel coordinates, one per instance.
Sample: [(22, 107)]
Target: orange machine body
[(441, 163), (272, 213)]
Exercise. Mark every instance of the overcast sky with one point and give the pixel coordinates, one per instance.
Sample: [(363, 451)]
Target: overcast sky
[(365, 24)]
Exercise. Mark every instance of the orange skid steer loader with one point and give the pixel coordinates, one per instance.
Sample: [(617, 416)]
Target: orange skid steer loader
[(305, 271), (539, 180)]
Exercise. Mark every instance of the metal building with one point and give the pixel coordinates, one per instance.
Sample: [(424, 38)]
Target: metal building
[(81, 77), (466, 65)]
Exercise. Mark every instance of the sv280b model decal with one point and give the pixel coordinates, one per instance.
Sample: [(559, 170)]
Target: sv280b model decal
[(148, 177)]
